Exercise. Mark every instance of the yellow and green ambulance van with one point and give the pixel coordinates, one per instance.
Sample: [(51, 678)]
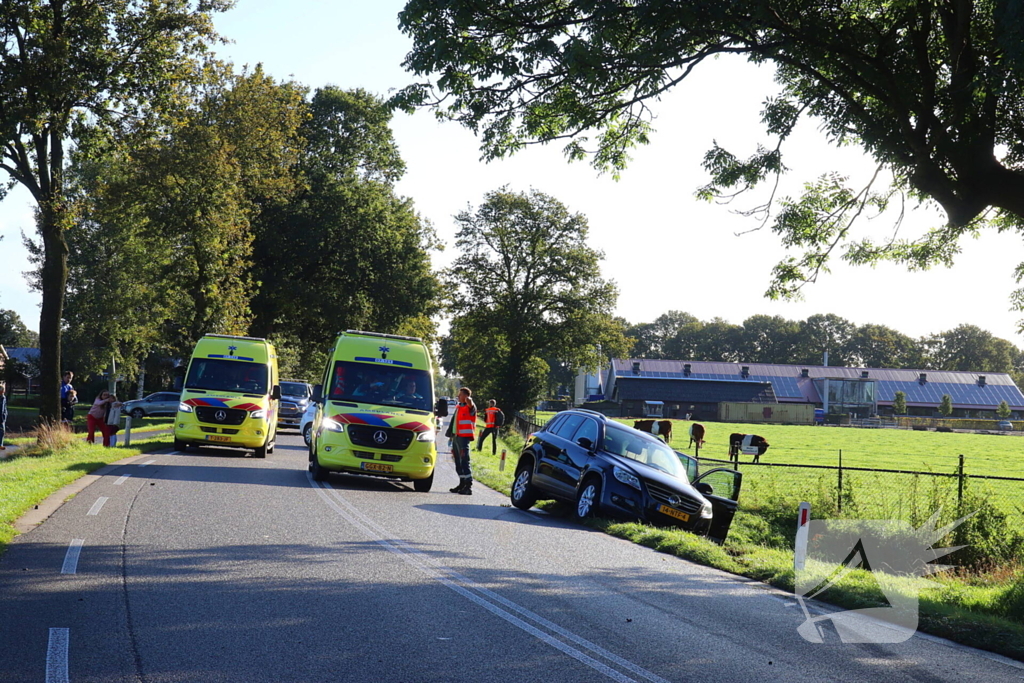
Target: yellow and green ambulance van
[(374, 410), (230, 396)]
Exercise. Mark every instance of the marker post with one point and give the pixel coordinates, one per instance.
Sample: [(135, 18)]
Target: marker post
[(803, 522)]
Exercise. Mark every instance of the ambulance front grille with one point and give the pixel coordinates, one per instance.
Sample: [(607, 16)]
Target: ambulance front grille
[(221, 416)]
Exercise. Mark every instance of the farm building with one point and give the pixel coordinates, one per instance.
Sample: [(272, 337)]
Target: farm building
[(698, 387), (23, 377)]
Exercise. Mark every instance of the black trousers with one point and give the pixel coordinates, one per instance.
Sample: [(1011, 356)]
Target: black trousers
[(493, 432)]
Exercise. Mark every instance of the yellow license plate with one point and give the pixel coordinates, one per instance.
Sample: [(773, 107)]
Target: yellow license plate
[(376, 467), (672, 512), (213, 437)]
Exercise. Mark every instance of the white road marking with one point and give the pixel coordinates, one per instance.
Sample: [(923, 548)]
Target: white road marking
[(71, 558), (484, 597), (121, 479), (57, 656), (97, 506), (148, 462)]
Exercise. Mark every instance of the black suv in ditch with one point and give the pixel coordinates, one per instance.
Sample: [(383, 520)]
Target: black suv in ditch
[(606, 468)]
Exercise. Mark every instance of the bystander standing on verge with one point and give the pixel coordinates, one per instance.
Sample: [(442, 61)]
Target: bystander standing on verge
[(97, 417), (3, 416), (493, 419), (463, 437), (68, 397)]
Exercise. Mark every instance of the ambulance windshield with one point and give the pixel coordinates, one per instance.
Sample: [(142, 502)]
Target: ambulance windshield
[(381, 384), (216, 374)]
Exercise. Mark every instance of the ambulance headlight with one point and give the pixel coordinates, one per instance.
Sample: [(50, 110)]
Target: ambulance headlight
[(332, 426), (184, 408), (425, 436), (258, 414)]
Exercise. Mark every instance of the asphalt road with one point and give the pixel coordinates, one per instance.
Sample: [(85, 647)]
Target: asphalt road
[(211, 566)]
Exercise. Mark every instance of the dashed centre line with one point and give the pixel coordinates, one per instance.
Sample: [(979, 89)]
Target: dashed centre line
[(97, 506), (121, 479), (71, 558), (148, 462), (57, 655)]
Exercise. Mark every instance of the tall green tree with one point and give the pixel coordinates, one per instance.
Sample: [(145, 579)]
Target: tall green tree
[(346, 251), (972, 349), (525, 287), (161, 249), (14, 333), (650, 338), (932, 91), (67, 68), (768, 339), (715, 340), (823, 333), (878, 346)]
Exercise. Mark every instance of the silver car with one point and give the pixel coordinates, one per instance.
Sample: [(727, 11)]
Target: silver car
[(295, 397), (160, 403)]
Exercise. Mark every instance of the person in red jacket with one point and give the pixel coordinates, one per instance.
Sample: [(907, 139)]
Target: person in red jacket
[(463, 433), (491, 424)]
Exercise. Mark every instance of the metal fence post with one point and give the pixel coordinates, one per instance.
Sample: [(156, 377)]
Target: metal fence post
[(839, 496), (960, 486)]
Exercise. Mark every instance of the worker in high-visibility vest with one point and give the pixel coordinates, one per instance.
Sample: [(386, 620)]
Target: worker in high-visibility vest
[(463, 435), (493, 418)]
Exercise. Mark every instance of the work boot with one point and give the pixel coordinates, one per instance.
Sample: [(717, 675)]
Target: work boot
[(459, 487), (467, 490)]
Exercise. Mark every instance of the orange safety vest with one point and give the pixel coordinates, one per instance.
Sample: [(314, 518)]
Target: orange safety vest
[(465, 421), (491, 413)]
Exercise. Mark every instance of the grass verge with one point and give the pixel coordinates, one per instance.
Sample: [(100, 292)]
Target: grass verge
[(983, 610), (32, 473)]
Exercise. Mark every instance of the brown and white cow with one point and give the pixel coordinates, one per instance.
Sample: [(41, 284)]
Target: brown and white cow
[(737, 442), (662, 428), (696, 435)]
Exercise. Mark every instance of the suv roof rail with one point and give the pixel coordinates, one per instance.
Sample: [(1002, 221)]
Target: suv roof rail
[(297, 381), (381, 334), (588, 411)]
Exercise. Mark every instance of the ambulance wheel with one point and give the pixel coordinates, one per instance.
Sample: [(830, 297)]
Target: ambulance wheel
[(179, 445), (423, 485), (318, 473), (261, 451)]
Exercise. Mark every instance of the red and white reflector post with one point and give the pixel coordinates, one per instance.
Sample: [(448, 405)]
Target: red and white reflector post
[(803, 523), (501, 465)]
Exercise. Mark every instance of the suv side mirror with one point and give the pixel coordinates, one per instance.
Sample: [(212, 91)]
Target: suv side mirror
[(275, 393), (704, 488), (318, 393), (585, 443)]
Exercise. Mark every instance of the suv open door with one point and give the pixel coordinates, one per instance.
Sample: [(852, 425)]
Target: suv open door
[(721, 487)]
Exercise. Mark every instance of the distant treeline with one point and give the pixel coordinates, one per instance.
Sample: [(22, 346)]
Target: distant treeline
[(774, 339)]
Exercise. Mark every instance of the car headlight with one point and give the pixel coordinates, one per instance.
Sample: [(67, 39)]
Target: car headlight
[(425, 436), (706, 511), (184, 407), (328, 425), (258, 414), (626, 477)]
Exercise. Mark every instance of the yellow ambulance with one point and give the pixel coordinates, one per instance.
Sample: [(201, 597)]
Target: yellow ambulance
[(230, 396), (374, 410)]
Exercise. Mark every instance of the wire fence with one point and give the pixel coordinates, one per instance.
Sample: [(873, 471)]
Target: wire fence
[(857, 492)]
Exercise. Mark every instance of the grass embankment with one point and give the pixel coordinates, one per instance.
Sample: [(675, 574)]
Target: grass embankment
[(983, 608), (21, 423), (30, 474)]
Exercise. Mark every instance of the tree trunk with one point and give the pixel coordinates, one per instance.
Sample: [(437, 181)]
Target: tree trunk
[(54, 281)]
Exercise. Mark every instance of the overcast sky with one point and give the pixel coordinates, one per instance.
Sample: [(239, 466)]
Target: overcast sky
[(665, 249)]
